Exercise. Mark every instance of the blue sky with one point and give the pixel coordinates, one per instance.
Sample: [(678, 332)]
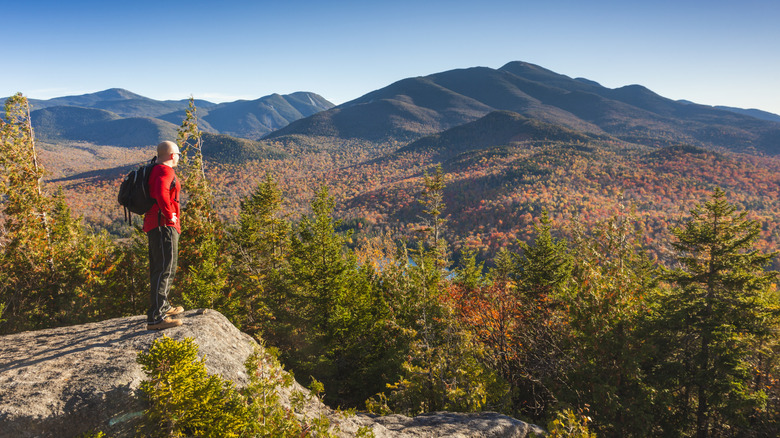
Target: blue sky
[(711, 52)]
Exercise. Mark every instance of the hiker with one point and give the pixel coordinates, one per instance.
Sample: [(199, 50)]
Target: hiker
[(162, 226)]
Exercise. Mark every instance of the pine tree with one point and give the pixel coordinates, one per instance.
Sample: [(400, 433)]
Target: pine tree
[(318, 261), (612, 280), (332, 314), (545, 265), (262, 233), (443, 367), (52, 270), (26, 259), (26, 208), (532, 281), (433, 221), (469, 273), (202, 278), (260, 243), (708, 325)]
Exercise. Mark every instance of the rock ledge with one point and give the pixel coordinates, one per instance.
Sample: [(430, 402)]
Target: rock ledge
[(67, 381)]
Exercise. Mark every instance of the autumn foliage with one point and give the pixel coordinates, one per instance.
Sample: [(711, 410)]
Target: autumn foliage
[(597, 285)]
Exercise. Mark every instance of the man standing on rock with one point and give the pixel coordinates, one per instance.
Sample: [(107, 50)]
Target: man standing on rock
[(161, 225)]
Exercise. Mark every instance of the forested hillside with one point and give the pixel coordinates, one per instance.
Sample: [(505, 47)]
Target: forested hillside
[(533, 244), (415, 107), (496, 183)]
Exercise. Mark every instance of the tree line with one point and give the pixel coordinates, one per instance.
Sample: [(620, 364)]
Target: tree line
[(579, 324)]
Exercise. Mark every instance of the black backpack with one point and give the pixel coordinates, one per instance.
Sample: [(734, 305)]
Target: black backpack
[(134, 192)]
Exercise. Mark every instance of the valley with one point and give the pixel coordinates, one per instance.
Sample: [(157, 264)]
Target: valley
[(512, 142)]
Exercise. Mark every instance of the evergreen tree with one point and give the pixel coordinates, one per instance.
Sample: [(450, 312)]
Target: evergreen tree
[(444, 367), (202, 278), (504, 266), (52, 270), (433, 221), (84, 269), (709, 325), (544, 266), (26, 259), (469, 273), (532, 281), (132, 280), (260, 244), (612, 279), (331, 314)]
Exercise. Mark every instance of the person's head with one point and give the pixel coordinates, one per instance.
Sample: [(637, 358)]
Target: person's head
[(168, 153)]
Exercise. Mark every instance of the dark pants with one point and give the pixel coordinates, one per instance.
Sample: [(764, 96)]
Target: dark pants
[(163, 259)]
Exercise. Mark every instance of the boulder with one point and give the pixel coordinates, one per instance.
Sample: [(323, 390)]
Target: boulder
[(67, 381)]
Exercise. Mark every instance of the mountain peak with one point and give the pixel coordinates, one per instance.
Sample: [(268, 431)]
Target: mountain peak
[(529, 71), (522, 65), (535, 73), (116, 94)]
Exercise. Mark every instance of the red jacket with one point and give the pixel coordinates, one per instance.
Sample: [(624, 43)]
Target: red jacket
[(166, 194)]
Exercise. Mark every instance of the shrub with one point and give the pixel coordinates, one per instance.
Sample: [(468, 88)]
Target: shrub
[(568, 424), (185, 401)]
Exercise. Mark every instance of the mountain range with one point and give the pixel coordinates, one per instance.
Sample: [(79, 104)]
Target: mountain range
[(412, 108), (118, 117), (415, 107)]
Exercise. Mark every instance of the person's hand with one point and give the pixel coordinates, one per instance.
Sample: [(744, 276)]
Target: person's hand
[(173, 218)]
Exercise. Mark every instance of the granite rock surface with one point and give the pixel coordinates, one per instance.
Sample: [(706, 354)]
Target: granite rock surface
[(67, 381)]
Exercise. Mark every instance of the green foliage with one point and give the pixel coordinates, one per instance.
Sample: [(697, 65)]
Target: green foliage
[(433, 206), (204, 264), (49, 263), (545, 265), (568, 424), (260, 246), (448, 375), (469, 272), (605, 304), (532, 358), (444, 368), (129, 285), (183, 399), (27, 248), (574, 316), (269, 417), (709, 324), (330, 311)]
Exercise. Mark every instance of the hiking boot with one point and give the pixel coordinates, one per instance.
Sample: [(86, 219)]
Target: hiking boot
[(175, 311), (164, 324)]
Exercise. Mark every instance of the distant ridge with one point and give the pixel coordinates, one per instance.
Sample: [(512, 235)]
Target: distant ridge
[(255, 118), (99, 126), (413, 108), (763, 115), (119, 101), (227, 149), (117, 117), (498, 128)]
